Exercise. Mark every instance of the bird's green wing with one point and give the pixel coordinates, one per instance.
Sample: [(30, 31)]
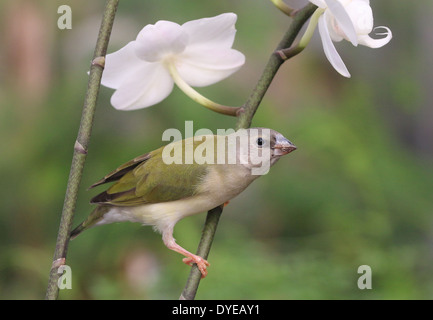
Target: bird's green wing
[(122, 170), (150, 181)]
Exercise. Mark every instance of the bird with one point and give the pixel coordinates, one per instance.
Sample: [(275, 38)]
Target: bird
[(184, 178)]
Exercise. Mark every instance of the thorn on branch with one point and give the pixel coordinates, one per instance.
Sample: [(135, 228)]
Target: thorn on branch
[(99, 61), (288, 53), (294, 13), (57, 263), (79, 148), (240, 111), (280, 53)]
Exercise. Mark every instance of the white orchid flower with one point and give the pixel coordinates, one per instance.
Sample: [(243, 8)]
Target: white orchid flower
[(351, 20), (197, 53)]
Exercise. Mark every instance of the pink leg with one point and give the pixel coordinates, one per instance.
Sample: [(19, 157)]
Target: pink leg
[(190, 259)]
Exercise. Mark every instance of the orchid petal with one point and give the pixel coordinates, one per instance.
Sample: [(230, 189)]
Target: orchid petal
[(119, 66), (209, 57), (366, 40), (149, 85), (162, 38), (361, 15), (203, 68), (344, 21), (330, 51), (334, 29), (216, 32)]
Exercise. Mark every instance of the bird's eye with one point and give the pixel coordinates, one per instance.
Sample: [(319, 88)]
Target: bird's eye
[(260, 142)]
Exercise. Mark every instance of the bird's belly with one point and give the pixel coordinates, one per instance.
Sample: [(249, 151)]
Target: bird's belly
[(162, 215), (213, 192)]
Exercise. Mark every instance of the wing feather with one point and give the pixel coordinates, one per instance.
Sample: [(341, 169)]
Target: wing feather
[(122, 170), (147, 179)]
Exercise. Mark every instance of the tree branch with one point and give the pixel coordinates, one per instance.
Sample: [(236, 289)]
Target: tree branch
[(208, 234), (244, 121), (80, 148)]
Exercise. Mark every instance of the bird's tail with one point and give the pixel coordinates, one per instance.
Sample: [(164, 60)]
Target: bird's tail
[(93, 218), (80, 228)]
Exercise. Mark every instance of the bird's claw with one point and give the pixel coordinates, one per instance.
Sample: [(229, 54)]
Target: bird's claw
[(201, 263)]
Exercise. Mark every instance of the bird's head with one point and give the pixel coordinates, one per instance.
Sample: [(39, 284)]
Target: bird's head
[(260, 148)]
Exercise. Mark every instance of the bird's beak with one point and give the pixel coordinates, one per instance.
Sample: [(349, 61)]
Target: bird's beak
[(283, 146)]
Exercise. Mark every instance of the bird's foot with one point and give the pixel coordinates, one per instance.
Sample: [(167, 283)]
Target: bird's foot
[(202, 264)]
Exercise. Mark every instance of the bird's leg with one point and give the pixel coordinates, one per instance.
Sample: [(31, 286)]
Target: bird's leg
[(170, 242)]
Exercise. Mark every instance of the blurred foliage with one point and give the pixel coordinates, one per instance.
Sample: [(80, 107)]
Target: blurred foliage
[(358, 191)]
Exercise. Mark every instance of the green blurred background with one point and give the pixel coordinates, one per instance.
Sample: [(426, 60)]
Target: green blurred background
[(358, 191)]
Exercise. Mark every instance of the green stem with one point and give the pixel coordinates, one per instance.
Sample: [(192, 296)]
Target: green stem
[(80, 148), (197, 97), (244, 121), (271, 68), (288, 53), (280, 4)]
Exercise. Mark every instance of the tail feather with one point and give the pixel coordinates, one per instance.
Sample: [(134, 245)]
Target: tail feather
[(93, 218), (74, 233)]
